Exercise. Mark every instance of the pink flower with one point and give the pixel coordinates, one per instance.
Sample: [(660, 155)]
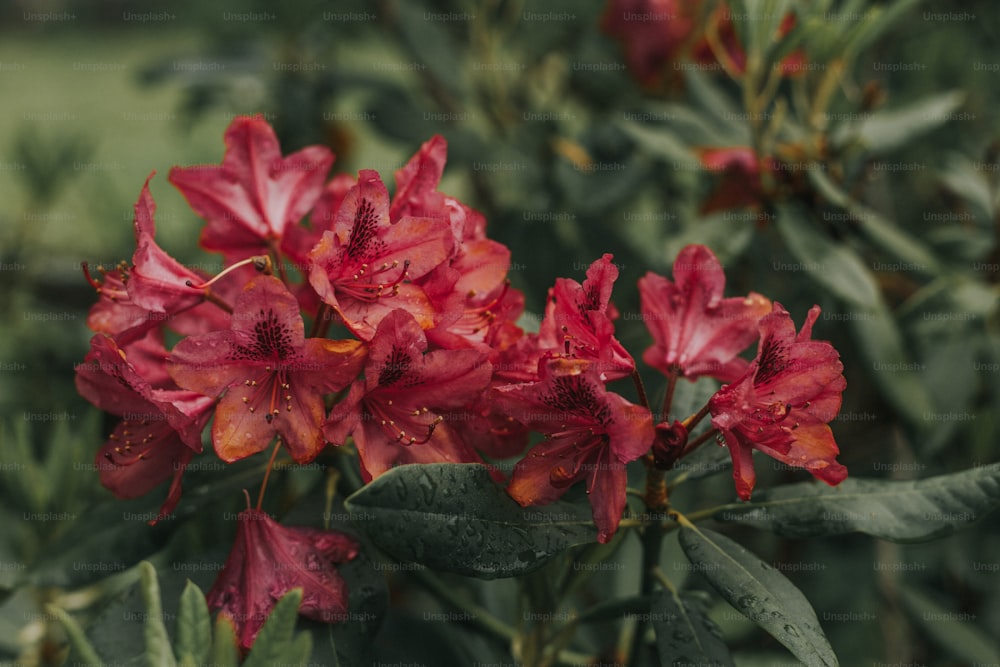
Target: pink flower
[(273, 378), (696, 331), (253, 198), (160, 430), (591, 434), (268, 560), (396, 412), (783, 402), (653, 34), (363, 266), (578, 321), (740, 184)]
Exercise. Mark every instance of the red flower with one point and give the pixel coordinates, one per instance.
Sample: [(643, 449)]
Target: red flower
[(721, 23), (362, 267), (653, 33), (114, 313), (273, 377), (783, 402), (159, 432), (416, 183), (255, 195), (396, 413), (591, 434), (740, 184), (577, 322), (158, 282), (696, 331), (268, 560)]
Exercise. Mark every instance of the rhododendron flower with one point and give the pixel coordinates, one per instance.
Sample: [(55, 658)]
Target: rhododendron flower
[(578, 321), (160, 430), (591, 434), (274, 378), (268, 560), (782, 404), (721, 25), (416, 183), (255, 195), (395, 413), (696, 331), (158, 281), (740, 184), (364, 265), (653, 33)]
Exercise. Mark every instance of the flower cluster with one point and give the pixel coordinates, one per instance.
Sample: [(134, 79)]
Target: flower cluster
[(345, 316), (657, 35)]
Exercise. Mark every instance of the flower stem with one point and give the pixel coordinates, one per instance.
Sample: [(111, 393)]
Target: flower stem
[(640, 389), (267, 473), (668, 398), (693, 420), (698, 442)]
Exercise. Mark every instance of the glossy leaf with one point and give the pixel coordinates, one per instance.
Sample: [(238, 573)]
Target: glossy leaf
[(685, 634), (455, 518), (759, 592), (899, 511)]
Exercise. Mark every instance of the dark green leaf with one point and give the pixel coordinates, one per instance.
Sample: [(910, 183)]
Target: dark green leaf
[(913, 256), (885, 131), (275, 637), (158, 652), (615, 610), (194, 625), (759, 592), (455, 518), (833, 265), (431, 44), (892, 369), (900, 511), (685, 634), (949, 629)]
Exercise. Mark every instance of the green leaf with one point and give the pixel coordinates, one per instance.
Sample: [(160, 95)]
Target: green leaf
[(85, 653), (949, 629), (685, 634), (892, 369), (899, 511), (194, 625), (158, 652), (661, 142), (833, 265), (759, 592), (961, 177), (877, 20), (275, 638), (913, 255), (455, 518), (885, 131), (431, 44), (224, 649)]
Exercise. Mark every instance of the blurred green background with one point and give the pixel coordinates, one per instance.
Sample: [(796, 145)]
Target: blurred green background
[(901, 251)]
